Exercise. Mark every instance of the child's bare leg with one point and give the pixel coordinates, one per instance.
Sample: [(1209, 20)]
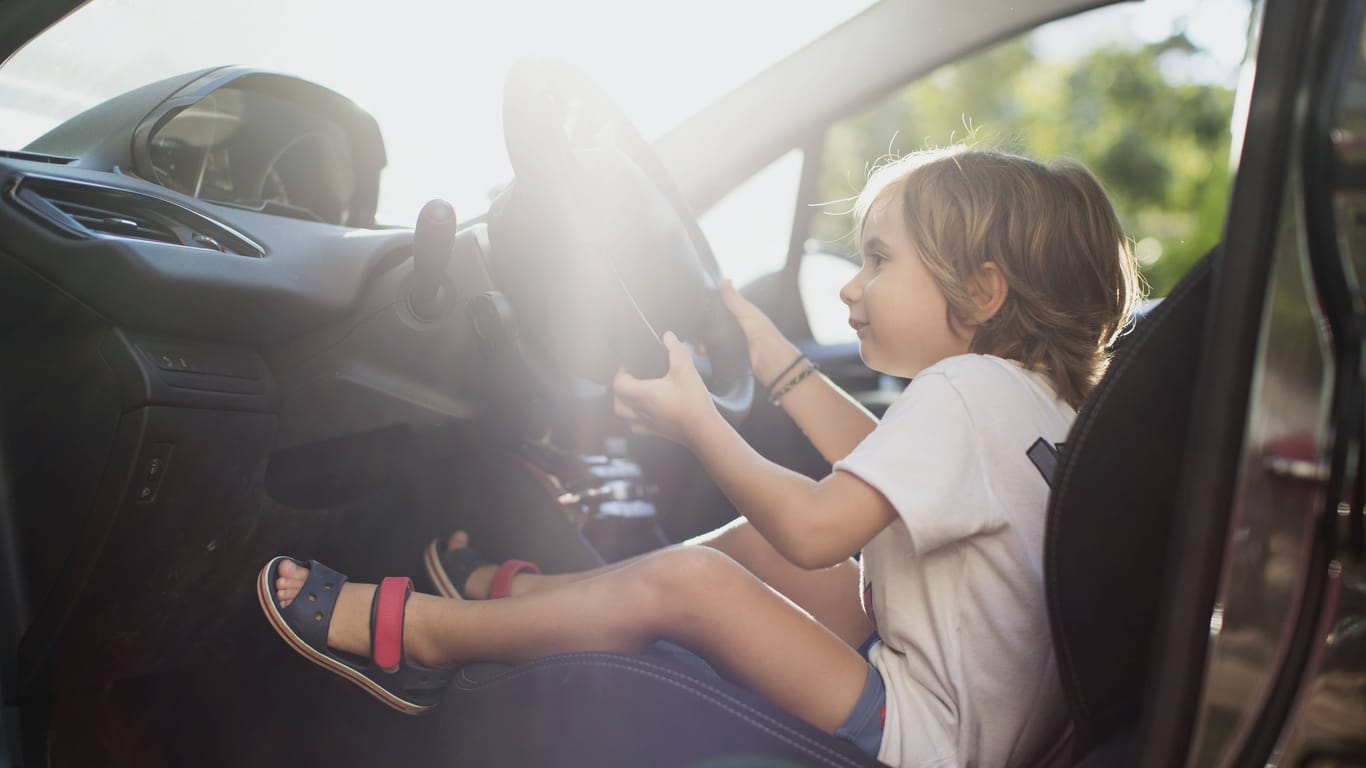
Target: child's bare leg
[(830, 595), (692, 595)]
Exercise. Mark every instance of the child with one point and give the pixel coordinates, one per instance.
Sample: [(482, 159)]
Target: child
[(996, 283)]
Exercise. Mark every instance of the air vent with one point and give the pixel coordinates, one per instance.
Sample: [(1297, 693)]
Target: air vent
[(124, 222), (83, 209)]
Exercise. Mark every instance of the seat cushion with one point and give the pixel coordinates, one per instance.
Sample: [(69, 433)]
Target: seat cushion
[(610, 709)]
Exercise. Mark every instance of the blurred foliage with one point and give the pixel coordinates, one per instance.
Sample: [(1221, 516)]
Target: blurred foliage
[(1160, 148)]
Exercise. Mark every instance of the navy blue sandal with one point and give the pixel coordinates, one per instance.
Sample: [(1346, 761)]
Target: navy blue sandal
[(449, 569), (409, 688)]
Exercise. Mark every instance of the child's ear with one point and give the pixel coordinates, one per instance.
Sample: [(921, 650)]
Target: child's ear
[(988, 291)]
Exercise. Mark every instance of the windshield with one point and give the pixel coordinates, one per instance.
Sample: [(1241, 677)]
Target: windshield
[(430, 72)]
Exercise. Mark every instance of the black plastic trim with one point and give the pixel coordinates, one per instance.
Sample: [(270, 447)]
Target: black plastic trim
[(9, 735), (34, 192), (36, 157), (14, 618), (370, 155), (315, 274), (214, 376), (1334, 36)]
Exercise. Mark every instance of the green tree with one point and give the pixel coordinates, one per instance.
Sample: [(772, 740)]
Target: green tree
[(1160, 148)]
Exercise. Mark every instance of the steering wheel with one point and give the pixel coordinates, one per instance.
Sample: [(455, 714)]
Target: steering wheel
[(595, 248)]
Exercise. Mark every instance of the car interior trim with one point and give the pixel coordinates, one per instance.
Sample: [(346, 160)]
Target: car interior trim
[(928, 35), (25, 192)]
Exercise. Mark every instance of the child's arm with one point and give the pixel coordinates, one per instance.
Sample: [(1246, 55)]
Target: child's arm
[(832, 420), (812, 524)]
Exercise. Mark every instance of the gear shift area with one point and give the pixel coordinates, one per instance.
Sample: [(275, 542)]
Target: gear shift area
[(605, 498)]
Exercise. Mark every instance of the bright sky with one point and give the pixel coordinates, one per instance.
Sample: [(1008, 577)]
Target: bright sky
[(431, 70), (1217, 26)]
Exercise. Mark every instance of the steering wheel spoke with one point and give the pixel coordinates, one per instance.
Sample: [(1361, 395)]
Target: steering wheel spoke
[(597, 249)]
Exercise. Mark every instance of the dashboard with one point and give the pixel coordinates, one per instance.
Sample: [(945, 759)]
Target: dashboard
[(239, 137), (245, 147), (174, 206), (228, 215), (192, 287)]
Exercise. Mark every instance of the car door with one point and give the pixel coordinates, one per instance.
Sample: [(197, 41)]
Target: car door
[(1262, 659)]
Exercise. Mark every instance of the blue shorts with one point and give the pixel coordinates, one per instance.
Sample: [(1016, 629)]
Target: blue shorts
[(864, 724)]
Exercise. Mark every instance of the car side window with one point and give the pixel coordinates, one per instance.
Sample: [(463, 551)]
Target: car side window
[(825, 268), (1146, 105), (749, 229)]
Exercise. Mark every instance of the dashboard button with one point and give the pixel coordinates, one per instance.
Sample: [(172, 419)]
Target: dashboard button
[(153, 470)]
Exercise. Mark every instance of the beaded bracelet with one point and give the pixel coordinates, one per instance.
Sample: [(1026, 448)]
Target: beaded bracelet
[(810, 369), (779, 378)]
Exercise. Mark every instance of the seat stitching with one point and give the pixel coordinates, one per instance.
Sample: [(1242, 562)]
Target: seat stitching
[(724, 706), (632, 664), (623, 662)]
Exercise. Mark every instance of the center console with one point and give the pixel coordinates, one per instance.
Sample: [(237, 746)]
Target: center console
[(606, 500)]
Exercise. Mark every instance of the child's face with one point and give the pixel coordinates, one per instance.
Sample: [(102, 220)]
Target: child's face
[(894, 302)]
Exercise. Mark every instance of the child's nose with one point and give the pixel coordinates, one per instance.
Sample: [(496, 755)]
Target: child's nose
[(849, 293)]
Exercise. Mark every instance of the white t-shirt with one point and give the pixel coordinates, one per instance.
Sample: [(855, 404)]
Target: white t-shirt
[(957, 579)]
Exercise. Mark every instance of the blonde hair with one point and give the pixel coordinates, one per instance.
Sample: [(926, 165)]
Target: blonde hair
[(1049, 229)]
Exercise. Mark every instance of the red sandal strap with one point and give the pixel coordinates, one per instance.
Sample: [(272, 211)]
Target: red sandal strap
[(502, 578), (386, 639)]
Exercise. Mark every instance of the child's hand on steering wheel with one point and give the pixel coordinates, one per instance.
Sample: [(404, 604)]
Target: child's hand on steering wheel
[(674, 406), (769, 349)]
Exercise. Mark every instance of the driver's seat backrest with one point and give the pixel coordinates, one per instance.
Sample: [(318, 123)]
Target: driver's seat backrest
[(1110, 517)]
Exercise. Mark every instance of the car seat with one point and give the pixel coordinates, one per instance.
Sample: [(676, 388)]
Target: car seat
[(1109, 519)]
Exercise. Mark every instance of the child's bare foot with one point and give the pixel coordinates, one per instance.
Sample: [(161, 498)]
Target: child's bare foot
[(480, 581)]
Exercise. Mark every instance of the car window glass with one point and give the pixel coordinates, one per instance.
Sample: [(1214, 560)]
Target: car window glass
[(823, 271), (750, 227), (1145, 102)]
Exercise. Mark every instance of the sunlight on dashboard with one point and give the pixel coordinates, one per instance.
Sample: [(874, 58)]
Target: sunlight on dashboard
[(430, 72)]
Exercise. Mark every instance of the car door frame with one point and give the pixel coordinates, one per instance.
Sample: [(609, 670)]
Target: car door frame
[(1287, 93)]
